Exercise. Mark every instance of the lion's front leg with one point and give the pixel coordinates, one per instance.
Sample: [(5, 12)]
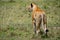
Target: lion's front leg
[(34, 25)]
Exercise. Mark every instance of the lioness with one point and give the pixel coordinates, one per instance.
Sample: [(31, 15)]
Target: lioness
[(39, 19)]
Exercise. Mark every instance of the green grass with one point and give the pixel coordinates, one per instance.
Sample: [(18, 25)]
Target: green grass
[(16, 23)]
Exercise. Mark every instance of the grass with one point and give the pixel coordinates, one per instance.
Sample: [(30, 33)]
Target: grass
[(16, 24)]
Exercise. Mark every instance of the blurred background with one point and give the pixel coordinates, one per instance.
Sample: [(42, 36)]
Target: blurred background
[(16, 22)]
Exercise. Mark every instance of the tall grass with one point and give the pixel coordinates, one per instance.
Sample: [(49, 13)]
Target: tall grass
[(16, 23)]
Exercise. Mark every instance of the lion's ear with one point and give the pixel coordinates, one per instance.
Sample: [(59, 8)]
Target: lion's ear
[(31, 5)]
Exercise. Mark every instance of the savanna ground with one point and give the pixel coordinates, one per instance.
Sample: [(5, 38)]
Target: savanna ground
[(16, 24)]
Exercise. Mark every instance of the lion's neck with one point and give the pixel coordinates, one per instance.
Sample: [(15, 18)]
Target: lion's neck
[(36, 8)]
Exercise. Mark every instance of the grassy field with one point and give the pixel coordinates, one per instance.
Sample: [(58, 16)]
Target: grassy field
[(16, 23)]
